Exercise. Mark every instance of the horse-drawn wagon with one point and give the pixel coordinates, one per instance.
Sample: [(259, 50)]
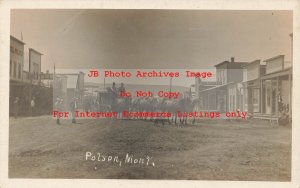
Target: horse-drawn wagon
[(105, 100)]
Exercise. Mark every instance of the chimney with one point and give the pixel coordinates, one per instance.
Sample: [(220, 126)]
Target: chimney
[(232, 59)]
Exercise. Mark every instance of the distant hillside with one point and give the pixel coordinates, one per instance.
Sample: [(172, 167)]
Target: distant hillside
[(134, 87)]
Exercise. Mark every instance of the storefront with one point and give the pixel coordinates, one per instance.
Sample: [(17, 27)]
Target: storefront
[(215, 99), (277, 94)]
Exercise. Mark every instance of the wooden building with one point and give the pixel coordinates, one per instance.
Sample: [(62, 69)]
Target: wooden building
[(16, 74), (26, 85), (251, 87), (276, 89), (225, 96), (267, 89)]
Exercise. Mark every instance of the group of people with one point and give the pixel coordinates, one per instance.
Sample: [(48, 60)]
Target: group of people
[(73, 106), (58, 105), (116, 91), (17, 107)]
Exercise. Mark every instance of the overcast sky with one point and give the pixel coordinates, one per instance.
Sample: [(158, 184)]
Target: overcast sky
[(151, 38)]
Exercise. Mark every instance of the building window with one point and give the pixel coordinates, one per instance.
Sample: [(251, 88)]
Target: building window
[(10, 67), (255, 96), (268, 97), (19, 71), (15, 69), (218, 75)]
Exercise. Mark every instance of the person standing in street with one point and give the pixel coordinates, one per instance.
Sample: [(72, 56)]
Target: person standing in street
[(114, 89), (58, 104), (122, 88), (73, 106), (16, 107), (32, 106)]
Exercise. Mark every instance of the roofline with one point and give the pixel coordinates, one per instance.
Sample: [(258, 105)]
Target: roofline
[(272, 58), (255, 79), (31, 49), (286, 69), (211, 83), (220, 86), (230, 62), (221, 63), (252, 62), (14, 38)]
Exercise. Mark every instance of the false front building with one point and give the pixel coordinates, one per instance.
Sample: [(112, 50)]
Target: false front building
[(276, 90), (225, 96), (267, 89)]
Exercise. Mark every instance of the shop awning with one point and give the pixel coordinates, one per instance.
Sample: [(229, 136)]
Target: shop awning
[(217, 87), (277, 74)]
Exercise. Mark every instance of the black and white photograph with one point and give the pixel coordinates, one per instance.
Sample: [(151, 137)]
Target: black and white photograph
[(151, 94)]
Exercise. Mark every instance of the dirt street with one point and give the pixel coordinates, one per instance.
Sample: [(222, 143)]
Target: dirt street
[(39, 148)]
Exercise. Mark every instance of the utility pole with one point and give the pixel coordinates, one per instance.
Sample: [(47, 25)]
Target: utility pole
[(104, 83), (170, 84)]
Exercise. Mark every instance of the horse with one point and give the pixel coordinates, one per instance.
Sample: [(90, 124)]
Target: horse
[(120, 105), (159, 105), (172, 106), (187, 105)]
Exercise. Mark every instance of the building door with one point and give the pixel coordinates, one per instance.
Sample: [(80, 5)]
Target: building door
[(274, 101), (268, 96), (256, 99), (263, 108), (250, 100)]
